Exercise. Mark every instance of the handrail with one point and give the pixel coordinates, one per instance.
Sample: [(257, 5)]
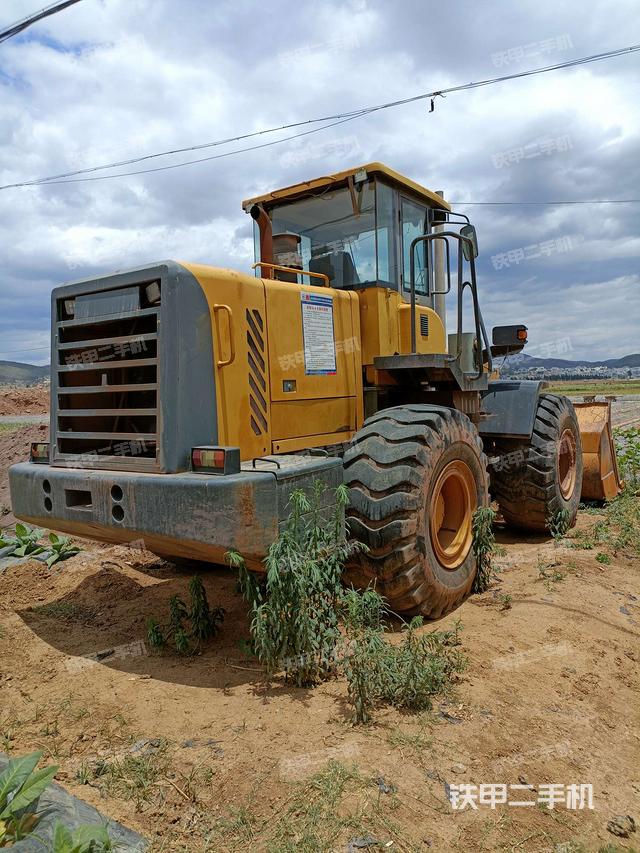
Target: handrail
[(481, 332), (293, 270)]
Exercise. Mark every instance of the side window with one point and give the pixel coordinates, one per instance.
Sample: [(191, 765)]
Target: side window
[(414, 224), (386, 236)]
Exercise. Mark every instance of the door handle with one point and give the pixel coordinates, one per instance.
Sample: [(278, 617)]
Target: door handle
[(232, 346)]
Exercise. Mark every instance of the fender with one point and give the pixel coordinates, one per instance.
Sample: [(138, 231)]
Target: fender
[(509, 407)]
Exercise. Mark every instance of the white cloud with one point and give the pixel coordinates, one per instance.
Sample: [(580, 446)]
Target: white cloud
[(103, 81)]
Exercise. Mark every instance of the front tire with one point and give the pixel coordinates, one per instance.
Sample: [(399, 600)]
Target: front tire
[(545, 473), (415, 476)]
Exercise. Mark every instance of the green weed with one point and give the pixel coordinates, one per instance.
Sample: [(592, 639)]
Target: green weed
[(294, 625), (21, 786), (484, 547), (558, 523)]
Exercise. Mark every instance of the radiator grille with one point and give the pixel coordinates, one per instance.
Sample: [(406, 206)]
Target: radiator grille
[(107, 375), (424, 325), (257, 380)]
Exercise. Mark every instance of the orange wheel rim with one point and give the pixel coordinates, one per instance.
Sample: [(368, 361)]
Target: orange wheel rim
[(567, 463), (453, 502)]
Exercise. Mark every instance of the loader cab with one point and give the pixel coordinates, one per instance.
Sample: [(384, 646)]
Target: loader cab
[(355, 228)]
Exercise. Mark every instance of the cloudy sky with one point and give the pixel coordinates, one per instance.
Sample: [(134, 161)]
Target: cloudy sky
[(106, 80)]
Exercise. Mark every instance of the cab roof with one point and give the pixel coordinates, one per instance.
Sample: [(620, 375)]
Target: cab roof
[(393, 177)]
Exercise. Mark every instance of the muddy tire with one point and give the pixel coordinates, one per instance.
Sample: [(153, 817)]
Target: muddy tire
[(533, 481), (415, 475)]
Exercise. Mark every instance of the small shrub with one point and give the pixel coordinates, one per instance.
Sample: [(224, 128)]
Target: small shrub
[(21, 786), (558, 524), (406, 675), (204, 621), (484, 547), (181, 642), (605, 559), (177, 613), (87, 838), (25, 542), (155, 634), (296, 622), (294, 626), (549, 574), (59, 549), (366, 655), (423, 665)]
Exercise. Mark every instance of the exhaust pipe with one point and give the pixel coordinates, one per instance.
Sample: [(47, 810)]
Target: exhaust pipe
[(439, 305), (259, 215)]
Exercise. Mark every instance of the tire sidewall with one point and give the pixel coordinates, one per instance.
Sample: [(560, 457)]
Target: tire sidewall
[(567, 420), (435, 573)]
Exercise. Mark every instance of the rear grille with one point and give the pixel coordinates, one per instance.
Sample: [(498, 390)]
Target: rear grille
[(107, 375), (257, 380), (424, 325)]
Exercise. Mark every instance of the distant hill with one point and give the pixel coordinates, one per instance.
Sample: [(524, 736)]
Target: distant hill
[(27, 374), (526, 362)]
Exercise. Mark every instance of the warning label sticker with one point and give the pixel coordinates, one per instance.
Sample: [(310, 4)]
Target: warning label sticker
[(317, 330)]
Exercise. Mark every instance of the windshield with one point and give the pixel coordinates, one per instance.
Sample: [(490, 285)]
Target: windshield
[(338, 236)]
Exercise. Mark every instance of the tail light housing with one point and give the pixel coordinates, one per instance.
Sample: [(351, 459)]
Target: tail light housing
[(39, 452), (208, 459)]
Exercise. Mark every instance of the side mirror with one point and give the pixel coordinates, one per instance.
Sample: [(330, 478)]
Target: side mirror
[(469, 250)]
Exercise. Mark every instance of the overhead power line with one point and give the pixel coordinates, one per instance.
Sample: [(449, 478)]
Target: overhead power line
[(18, 27), (326, 121), (29, 349), (549, 203)]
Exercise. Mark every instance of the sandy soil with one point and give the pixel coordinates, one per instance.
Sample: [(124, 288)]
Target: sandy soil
[(14, 447), (20, 400), (550, 696)]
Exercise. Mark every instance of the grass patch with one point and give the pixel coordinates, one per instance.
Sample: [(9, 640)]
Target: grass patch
[(415, 742), (9, 725), (627, 443), (133, 777), (596, 386), (6, 428), (549, 574), (327, 811), (618, 531), (58, 610)]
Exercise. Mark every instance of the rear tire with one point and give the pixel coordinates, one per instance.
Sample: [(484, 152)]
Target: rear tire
[(545, 473), (415, 474)]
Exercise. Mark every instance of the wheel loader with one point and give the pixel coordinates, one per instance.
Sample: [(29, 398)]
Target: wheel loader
[(188, 401)]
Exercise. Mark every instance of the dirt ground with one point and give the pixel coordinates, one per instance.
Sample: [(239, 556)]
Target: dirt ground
[(14, 447), (21, 400), (200, 754)]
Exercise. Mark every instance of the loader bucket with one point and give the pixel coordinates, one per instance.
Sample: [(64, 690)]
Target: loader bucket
[(600, 481)]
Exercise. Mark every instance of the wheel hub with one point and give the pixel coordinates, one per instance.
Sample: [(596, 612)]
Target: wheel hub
[(566, 465), (453, 502)]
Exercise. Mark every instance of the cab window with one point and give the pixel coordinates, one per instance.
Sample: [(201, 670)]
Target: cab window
[(414, 224)]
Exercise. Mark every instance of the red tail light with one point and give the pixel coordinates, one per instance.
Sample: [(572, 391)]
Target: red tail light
[(215, 460), (39, 452)]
